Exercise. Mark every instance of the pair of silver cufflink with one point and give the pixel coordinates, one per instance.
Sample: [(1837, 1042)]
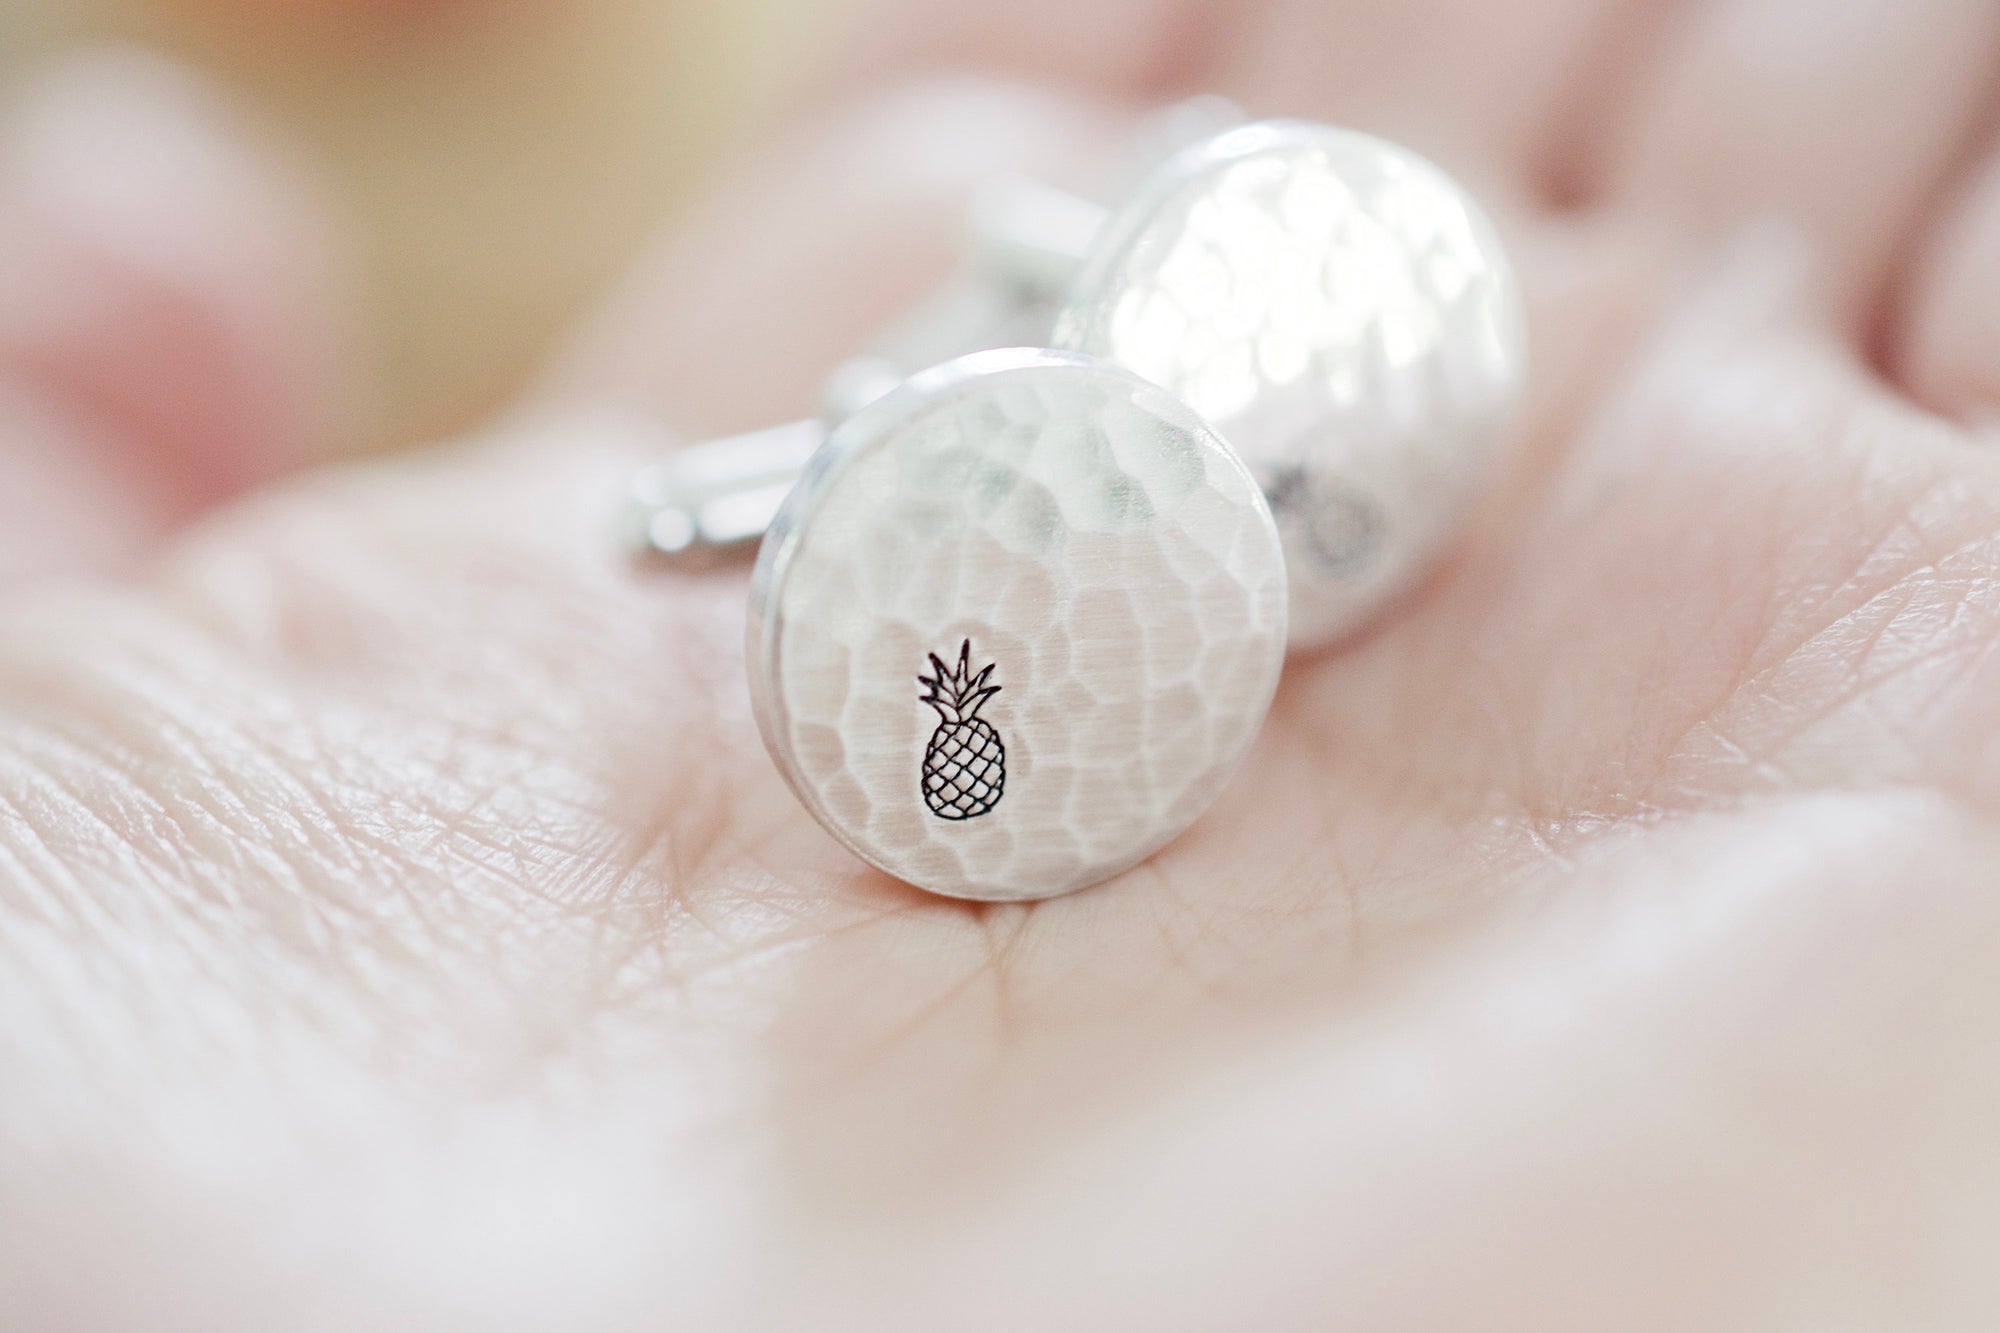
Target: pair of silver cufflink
[(1015, 620)]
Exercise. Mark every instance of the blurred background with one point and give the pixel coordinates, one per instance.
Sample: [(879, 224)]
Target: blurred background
[(489, 164)]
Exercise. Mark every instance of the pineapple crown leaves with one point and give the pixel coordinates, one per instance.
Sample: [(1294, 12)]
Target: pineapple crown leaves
[(957, 693)]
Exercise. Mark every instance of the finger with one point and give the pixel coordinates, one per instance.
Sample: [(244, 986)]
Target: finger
[(1950, 344), (1839, 120), (67, 504), (168, 317), (1484, 87), (1487, 88)]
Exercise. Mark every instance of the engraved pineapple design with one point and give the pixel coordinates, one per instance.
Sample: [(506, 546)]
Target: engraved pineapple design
[(965, 766)]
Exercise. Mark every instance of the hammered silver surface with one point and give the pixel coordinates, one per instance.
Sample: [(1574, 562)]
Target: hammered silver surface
[(1344, 315), (1073, 528)]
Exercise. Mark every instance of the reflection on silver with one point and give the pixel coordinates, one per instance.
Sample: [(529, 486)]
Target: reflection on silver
[(1344, 315), (701, 504), (1338, 309), (1016, 625), (1341, 528)]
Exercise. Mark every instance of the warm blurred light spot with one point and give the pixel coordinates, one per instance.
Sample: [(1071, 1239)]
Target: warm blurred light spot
[(333, 13), (495, 162)]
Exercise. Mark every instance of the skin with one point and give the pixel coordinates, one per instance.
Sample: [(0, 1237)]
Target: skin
[(400, 925)]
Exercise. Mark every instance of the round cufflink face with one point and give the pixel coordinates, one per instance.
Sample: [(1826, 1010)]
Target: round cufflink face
[(1342, 313), (1015, 627)]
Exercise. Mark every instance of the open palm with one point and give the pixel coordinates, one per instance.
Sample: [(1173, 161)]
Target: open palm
[(401, 925)]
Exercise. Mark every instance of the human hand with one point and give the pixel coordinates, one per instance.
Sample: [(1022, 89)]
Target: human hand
[(403, 927)]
